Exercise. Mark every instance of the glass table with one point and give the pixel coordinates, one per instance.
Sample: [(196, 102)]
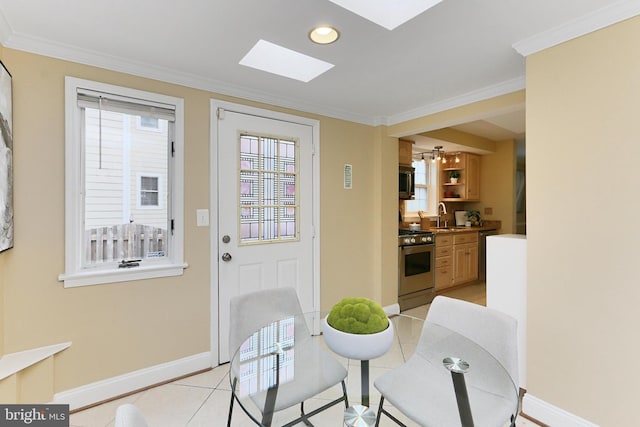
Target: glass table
[(268, 361)]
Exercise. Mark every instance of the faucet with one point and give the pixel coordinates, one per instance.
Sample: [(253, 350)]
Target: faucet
[(444, 212)]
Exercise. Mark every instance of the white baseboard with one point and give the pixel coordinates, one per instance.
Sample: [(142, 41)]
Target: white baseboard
[(392, 310), (122, 384), (551, 415)]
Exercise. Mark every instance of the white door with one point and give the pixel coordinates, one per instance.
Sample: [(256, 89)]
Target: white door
[(265, 210)]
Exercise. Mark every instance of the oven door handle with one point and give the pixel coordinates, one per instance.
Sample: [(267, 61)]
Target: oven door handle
[(408, 250)]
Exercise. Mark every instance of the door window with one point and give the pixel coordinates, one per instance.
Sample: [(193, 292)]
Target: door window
[(268, 190)]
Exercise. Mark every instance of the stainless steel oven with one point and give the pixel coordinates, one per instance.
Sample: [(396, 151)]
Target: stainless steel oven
[(416, 266)]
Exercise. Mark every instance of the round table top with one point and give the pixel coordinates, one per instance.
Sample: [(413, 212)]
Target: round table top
[(286, 342)]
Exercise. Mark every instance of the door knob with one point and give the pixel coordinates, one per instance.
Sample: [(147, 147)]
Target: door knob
[(226, 257)]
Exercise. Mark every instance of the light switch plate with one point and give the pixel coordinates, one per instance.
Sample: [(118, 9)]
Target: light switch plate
[(202, 217)]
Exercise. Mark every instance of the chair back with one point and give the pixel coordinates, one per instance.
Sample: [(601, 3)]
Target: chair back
[(495, 331), (128, 415), (251, 311)]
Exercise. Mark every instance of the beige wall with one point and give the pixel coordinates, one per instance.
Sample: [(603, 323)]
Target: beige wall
[(583, 101), (114, 328), (497, 186), (349, 239), (122, 327), (386, 170)]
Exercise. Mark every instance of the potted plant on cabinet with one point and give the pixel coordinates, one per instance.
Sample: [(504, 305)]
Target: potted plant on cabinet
[(473, 217), (454, 176)]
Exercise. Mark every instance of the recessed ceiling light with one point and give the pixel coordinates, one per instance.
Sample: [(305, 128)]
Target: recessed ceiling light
[(270, 57), (324, 34), (388, 14)]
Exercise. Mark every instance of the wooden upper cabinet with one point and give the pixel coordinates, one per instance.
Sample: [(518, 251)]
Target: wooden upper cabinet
[(467, 187), (473, 177), (405, 154)]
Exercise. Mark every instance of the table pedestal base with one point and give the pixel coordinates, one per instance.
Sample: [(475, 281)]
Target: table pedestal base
[(359, 416)]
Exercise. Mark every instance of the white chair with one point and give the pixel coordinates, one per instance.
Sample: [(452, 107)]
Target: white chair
[(128, 415), (416, 388), (317, 370)]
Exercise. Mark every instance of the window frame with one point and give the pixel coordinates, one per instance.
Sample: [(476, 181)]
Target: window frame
[(432, 187), (76, 274)]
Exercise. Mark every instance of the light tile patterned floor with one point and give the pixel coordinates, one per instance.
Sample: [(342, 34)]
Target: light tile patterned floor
[(203, 400)]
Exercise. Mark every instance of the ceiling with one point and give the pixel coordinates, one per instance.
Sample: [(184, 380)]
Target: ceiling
[(457, 52)]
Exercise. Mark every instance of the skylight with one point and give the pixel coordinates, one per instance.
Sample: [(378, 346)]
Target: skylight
[(387, 13), (269, 57)]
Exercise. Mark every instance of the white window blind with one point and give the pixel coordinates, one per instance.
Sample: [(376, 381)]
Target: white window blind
[(121, 104)]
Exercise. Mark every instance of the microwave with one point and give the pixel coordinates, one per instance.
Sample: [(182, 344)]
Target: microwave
[(406, 182)]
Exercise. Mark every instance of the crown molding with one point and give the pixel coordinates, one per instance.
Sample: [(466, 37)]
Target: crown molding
[(45, 47), (5, 29), (70, 53), (586, 24), (601, 18), (487, 92)]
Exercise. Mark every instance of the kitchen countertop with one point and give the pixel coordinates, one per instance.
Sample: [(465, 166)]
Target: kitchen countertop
[(487, 225), (461, 229)]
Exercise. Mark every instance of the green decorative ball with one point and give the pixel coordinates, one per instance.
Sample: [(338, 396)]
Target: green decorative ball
[(358, 316)]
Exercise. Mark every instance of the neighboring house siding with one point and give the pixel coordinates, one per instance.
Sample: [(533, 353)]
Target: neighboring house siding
[(149, 158), (128, 151), (103, 186)]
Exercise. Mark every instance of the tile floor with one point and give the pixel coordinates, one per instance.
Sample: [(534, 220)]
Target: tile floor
[(203, 399)]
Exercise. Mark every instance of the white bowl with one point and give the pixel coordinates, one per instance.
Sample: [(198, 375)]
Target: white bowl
[(357, 346)]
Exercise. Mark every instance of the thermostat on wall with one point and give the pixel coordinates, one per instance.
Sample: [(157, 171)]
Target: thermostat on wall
[(348, 177)]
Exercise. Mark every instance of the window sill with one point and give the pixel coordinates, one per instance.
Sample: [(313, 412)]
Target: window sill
[(415, 217), (100, 277)]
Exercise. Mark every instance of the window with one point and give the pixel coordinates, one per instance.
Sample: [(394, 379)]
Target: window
[(149, 123), (123, 184), (149, 191), (425, 196)]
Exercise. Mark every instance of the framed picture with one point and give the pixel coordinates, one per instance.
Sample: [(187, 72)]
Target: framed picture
[(6, 160)]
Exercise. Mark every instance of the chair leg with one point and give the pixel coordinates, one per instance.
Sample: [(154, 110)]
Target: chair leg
[(303, 416), (233, 387), (381, 411), (344, 393)]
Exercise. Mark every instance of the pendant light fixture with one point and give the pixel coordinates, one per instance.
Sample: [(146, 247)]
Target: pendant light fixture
[(438, 155)]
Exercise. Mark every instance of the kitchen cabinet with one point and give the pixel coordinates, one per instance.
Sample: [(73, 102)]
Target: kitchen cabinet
[(472, 170), (405, 152), (467, 187), (465, 257), (444, 261)]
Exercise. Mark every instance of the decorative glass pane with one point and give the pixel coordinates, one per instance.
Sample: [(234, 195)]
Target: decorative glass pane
[(287, 222), (267, 189)]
